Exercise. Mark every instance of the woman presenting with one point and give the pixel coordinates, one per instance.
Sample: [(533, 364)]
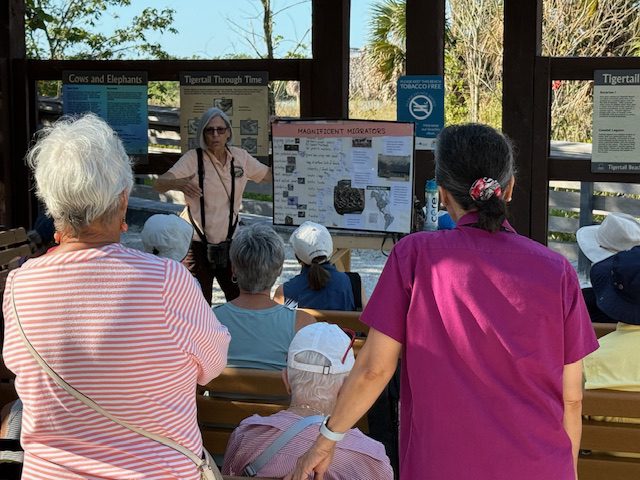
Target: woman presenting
[(492, 330), (213, 178)]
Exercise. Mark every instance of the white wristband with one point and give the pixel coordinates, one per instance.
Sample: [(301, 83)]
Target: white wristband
[(328, 434)]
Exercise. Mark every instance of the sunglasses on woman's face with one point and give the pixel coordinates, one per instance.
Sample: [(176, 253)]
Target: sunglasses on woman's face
[(214, 130)]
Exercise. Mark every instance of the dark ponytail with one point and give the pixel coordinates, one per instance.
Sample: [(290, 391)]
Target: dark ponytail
[(471, 153), (318, 276)]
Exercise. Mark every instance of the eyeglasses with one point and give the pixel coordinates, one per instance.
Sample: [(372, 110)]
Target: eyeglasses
[(213, 130), (350, 333)]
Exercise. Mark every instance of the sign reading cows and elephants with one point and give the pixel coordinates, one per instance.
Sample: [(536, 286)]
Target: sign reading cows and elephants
[(120, 98), (350, 174), (616, 121), (243, 96), (421, 101)]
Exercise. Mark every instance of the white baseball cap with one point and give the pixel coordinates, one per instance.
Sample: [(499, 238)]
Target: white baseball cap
[(311, 240), (618, 232), (167, 236), (326, 339)]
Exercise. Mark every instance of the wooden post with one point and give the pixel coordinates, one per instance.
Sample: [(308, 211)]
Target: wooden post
[(586, 218), (425, 56), (522, 43), (330, 49), (15, 203)]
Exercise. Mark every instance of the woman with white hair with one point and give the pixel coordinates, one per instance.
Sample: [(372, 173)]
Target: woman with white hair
[(116, 324), (213, 177), (261, 329)]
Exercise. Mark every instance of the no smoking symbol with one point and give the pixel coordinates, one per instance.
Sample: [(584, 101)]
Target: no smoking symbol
[(420, 107)]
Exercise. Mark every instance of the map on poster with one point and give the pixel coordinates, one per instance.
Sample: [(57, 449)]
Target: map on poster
[(243, 96), (118, 97), (350, 174)]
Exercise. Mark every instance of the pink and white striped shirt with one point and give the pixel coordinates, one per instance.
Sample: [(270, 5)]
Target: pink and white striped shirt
[(357, 457), (131, 331)]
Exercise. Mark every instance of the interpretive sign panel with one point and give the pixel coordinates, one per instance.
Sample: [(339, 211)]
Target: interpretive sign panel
[(120, 98), (616, 121), (350, 174), (421, 101), (243, 96)]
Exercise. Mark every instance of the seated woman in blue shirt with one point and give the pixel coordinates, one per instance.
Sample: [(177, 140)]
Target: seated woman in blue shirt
[(261, 329), (319, 285)]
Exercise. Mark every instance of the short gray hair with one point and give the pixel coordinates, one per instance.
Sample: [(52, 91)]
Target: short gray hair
[(80, 168), (257, 255), (204, 121), (317, 390)]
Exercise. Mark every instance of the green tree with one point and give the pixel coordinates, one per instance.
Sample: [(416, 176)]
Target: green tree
[(66, 29), (388, 37)]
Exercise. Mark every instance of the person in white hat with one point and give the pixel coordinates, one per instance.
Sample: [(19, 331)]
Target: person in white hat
[(320, 358), (618, 232), (167, 236), (319, 284)]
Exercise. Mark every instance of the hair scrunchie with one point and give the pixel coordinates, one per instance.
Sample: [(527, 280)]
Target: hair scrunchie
[(484, 188)]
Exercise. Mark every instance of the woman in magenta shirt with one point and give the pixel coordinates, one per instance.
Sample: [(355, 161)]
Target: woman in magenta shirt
[(491, 328)]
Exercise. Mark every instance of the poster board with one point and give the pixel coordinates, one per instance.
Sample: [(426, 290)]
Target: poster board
[(243, 96), (616, 121), (420, 100), (118, 97), (349, 174)]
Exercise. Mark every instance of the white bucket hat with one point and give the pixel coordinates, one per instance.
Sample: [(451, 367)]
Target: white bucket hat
[(326, 339), (617, 233), (311, 240), (168, 236)]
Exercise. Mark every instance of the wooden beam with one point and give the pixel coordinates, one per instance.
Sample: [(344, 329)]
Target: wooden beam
[(522, 40), (581, 68), (281, 69)]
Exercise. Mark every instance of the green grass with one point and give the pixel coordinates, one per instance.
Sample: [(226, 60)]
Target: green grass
[(264, 197)]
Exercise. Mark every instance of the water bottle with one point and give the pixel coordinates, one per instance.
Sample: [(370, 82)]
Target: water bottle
[(431, 205)]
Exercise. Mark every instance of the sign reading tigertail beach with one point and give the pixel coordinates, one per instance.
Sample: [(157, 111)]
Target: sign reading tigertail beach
[(616, 121)]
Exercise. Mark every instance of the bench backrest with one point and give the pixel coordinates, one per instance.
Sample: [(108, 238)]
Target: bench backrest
[(233, 396), (350, 320), (14, 244), (602, 436), (603, 329)]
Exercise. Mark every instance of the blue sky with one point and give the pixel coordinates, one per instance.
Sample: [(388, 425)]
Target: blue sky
[(205, 27)]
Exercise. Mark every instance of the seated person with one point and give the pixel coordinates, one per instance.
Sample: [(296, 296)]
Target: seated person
[(616, 364), (167, 236), (617, 233), (261, 329), (319, 284), (315, 349), (10, 429)]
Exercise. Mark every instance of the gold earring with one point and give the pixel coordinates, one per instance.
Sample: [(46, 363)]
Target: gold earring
[(123, 226)]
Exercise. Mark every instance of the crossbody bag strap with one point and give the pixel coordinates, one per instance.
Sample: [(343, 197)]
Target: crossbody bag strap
[(285, 437), (196, 459), (232, 196)]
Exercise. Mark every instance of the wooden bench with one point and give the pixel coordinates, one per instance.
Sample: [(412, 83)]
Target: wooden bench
[(14, 244), (233, 396), (348, 320), (603, 329), (599, 438)]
